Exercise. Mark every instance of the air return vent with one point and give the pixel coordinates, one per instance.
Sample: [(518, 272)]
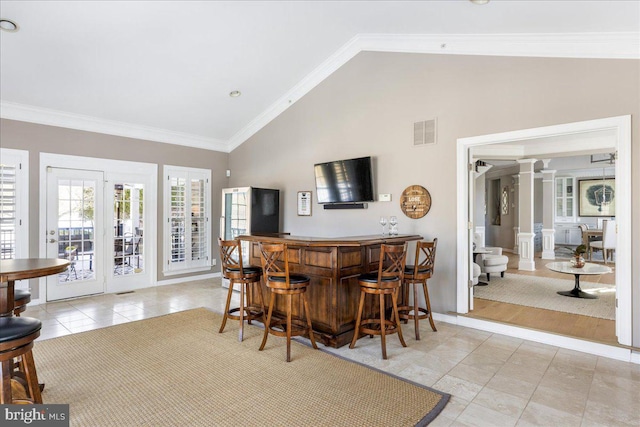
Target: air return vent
[(424, 133)]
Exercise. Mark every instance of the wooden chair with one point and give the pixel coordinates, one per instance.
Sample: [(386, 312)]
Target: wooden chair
[(386, 281), (17, 335), (246, 277), (279, 280), (587, 239), (414, 275), (608, 242)]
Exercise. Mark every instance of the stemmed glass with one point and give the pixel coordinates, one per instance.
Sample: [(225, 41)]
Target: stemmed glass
[(383, 222), (393, 222)]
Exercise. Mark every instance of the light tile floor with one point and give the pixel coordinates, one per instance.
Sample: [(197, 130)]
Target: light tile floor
[(494, 380)]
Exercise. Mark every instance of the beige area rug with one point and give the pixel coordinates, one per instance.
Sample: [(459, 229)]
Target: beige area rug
[(540, 292), (177, 370)]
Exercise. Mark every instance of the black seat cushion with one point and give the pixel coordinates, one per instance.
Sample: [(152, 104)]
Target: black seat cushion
[(409, 269), (251, 269), (21, 294), (373, 278), (294, 279), (13, 328)]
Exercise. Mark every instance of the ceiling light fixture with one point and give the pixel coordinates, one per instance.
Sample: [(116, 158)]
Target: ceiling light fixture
[(235, 93), (479, 1), (8, 25)]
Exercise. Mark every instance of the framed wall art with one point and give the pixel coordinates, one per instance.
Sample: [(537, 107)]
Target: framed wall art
[(597, 197), (304, 203)]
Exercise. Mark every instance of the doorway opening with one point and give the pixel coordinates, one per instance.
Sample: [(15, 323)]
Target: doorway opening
[(576, 138), (96, 217)]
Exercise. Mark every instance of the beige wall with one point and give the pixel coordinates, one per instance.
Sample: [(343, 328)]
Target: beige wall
[(368, 107), (48, 139)]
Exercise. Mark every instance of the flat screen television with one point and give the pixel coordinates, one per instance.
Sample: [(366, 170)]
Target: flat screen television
[(344, 181)]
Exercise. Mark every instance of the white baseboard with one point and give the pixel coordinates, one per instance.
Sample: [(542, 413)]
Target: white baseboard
[(187, 279)]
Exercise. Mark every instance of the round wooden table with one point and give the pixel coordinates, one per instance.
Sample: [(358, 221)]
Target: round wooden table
[(20, 269)]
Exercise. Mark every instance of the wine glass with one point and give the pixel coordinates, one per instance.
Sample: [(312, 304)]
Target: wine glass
[(383, 222), (393, 222)]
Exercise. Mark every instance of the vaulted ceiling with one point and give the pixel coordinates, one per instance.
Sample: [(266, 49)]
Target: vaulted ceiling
[(164, 70)]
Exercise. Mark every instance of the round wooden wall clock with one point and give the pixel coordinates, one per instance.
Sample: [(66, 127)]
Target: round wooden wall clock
[(415, 201)]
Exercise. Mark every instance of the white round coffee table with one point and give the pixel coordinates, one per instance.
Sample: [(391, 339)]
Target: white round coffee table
[(589, 268)]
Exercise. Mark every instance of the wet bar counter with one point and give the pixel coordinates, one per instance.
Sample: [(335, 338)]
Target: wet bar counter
[(333, 264)]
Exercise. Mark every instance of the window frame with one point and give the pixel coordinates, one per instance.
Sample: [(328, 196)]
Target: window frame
[(20, 158), (189, 265)]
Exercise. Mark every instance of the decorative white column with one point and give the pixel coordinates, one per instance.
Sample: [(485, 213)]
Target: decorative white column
[(525, 215), (548, 199), (515, 209)]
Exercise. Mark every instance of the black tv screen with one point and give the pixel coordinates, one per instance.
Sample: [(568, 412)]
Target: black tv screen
[(344, 181)]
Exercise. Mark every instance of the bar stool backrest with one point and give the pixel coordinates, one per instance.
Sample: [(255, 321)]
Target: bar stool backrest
[(392, 261), (427, 251), (275, 264), (230, 256)]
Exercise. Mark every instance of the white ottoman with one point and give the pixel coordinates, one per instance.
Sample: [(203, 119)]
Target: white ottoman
[(494, 264)]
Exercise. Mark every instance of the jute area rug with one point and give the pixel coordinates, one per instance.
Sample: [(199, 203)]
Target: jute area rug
[(177, 370), (540, 292)]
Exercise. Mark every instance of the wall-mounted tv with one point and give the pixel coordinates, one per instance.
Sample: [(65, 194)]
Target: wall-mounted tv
[(344, 181)]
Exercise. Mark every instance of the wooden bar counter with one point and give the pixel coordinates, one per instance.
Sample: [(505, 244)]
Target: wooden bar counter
[(333, 264)]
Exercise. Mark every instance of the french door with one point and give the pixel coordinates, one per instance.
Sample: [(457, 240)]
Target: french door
[(75, 224)]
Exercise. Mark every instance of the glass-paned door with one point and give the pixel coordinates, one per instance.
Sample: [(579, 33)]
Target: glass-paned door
[(74, 221), (128, 228)]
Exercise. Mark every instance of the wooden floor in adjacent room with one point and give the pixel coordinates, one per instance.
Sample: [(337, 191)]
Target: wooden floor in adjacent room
[(573, 325)]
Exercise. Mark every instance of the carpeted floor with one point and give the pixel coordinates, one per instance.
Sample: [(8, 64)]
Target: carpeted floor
[(177, 370), (540, 292)]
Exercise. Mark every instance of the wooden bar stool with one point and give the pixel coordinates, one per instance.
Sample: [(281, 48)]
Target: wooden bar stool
[(246, 277), (275, 264), (414, 275), (16, 339), (386, 281), (20, 300)]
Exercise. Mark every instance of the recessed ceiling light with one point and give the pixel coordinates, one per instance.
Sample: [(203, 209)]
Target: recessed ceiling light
[(8, 25), (234, 93), (479, 1)]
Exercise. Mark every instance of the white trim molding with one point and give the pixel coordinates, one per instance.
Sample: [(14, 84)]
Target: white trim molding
[(624, 45), (45, 116)]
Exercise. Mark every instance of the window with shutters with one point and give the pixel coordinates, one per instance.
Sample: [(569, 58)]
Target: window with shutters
[(14, 199), (187, 207)]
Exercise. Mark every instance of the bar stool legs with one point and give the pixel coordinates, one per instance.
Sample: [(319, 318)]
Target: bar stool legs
[(290, 326), (246, 311), (386, 281), (380, 326)]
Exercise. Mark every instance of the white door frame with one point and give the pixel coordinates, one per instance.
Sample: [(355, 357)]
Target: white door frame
[(621, 125), (57, 290), (111, 168)]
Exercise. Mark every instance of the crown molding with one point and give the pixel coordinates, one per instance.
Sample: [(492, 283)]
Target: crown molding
[(45, 116), (569, 45), (553, 45)]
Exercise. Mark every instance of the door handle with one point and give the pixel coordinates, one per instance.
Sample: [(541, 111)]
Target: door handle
[(52, 240)]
